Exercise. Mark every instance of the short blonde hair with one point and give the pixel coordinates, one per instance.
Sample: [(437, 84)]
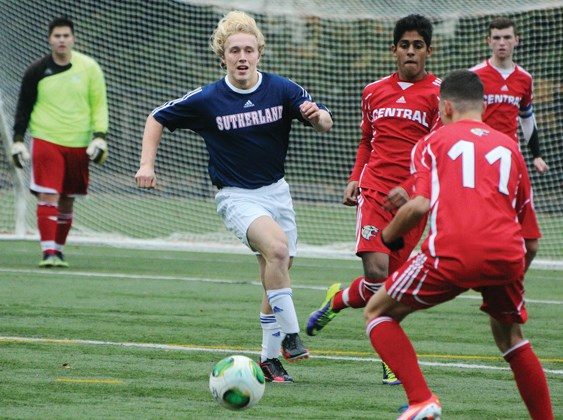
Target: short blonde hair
[(233, 23)]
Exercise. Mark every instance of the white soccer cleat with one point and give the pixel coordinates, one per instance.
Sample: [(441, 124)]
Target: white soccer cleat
[(427, 410)]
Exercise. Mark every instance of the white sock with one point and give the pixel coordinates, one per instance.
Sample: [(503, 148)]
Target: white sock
[(281, 302), (272, 337), (345, 297)]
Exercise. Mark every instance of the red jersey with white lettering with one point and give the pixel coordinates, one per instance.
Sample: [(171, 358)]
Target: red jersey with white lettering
[(506, 98), (395, 115), (480, 195)]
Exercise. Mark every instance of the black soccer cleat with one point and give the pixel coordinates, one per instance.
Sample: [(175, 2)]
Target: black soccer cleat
[(274, 371), (293, 349)]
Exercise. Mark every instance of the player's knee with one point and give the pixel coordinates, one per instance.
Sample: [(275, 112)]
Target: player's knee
[(371, 313), (506, 335), (278, 252), (375, 273)]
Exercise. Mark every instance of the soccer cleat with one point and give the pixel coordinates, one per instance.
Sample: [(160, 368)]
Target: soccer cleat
[(59, 260), (293, 349), (389, 377), (48, 261), (322, 316), (274, 371), (427, 410)]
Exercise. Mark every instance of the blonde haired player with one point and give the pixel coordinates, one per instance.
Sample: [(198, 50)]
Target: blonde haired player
[(245, 119)]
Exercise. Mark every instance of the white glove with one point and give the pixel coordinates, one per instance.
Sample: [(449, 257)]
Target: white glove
[(98, 150), (20, 155)]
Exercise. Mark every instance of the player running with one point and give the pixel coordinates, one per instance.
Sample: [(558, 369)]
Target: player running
[(473, 182), (397, 111), (245, 119)]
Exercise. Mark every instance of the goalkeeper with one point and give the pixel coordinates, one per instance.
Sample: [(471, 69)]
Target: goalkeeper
[(63, 102)]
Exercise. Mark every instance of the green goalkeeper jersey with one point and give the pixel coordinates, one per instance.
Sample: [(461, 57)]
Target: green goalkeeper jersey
[(64, 105)]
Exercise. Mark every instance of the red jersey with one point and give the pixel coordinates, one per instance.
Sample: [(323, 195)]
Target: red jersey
[(395, 115), (480, 194), (506, 98)]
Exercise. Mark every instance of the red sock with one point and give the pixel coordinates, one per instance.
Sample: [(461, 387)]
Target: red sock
[(394, 347), (531, 381), (64, 223), (359, 293), (353, 293), (47, 225)]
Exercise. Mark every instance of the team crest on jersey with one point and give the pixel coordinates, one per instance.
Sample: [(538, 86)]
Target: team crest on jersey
[(479, 132), (369, 232)]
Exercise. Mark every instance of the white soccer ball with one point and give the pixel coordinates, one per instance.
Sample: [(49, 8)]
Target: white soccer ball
[(237, 382)]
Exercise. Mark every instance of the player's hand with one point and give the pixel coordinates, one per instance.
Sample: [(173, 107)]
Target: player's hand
[(395, 199), (395, 245), (310, 112), (540, 165), (20, 154), (98, 150), (145, 177), (350, 197)]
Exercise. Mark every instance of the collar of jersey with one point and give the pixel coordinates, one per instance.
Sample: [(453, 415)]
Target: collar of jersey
[(244, 91)]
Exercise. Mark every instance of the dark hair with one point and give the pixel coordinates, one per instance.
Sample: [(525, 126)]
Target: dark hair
[(502, 23), (461, 86), (416, 23), (61, 21)]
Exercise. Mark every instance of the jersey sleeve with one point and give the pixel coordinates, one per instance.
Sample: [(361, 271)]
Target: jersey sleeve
[(296, 96), (98, 100), (421, 162), (526, 108), (181, 112), (525, 205), (26, 100), (365, 147)]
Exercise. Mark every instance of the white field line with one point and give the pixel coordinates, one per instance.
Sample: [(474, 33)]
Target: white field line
[(179, 347), (65, 272)]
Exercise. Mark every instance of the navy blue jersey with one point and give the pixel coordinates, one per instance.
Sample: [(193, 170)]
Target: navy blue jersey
[(246, 131)]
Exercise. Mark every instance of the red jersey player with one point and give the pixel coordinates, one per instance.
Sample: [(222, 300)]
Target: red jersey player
[(396, 112), (508, 89), (473, 181)]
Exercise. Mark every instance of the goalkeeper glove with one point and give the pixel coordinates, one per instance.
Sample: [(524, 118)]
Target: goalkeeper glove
[(20, 155), (98, 150), (397, 244)]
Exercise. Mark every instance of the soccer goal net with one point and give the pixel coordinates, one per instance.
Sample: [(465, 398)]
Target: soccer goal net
[(154, 51)]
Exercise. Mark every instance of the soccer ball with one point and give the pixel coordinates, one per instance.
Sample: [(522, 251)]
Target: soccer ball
[(237, 382)]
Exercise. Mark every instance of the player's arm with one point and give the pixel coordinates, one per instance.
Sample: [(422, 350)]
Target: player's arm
[(530, 131), (399, 195), (145, 176), (320, 119), (26, 102), (406, 218), (97, 150), (532, 246), (98, 100), (525, 211), (351, 192)]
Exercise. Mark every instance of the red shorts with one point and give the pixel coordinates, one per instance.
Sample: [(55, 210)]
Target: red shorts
[(371, 218), (421, 284), (58, 169)]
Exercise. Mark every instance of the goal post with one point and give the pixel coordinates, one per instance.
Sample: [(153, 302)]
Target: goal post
[(155, 51), (18, 183)]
